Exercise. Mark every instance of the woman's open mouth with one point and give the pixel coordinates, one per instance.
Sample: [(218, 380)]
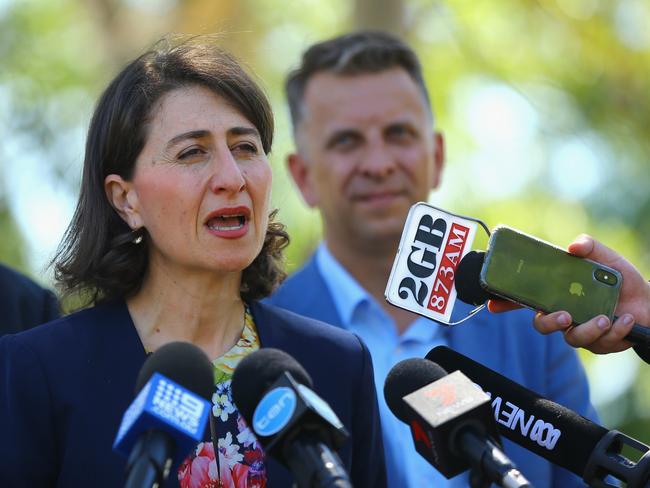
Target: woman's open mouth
[(226, 222), (230, 223)]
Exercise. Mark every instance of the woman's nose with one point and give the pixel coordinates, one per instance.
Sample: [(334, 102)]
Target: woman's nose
[(227, 174)]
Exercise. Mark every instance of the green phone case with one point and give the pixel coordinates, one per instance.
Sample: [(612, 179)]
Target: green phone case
[(544, 277)]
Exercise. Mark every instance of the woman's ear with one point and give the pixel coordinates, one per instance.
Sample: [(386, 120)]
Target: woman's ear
[(124, 199)]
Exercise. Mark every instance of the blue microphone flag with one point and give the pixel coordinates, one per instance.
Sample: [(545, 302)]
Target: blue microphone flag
[(164, 405)]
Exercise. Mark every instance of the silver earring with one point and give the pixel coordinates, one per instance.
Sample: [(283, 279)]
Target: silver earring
[(137, 239)]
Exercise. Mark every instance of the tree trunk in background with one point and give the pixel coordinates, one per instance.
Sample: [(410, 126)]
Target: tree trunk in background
[(386, 15)]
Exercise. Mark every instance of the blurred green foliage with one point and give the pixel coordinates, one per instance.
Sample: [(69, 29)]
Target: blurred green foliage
[(11, 242), (544, 104)]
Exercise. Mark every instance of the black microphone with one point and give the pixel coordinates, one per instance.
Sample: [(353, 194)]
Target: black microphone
[(166, 418), (451, 422), (467, 281), (552, 431), (274, 394), (469, 289)]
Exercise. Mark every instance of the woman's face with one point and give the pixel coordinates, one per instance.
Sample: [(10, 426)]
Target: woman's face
[(202, 183)]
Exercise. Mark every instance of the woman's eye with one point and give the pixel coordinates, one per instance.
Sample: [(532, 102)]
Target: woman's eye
[(190, 153), (246, 148)]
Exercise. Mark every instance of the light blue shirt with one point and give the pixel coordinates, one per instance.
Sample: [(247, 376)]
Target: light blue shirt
[(362, 315)]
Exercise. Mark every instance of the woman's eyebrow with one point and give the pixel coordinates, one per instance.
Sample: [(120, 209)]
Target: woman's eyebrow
[(193, 134), (201, 133), (244, 131)]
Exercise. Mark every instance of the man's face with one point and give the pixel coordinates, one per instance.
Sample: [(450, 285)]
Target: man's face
[(366, 153)]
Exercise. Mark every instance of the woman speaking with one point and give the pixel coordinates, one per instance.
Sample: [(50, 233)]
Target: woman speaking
[(171, 241)]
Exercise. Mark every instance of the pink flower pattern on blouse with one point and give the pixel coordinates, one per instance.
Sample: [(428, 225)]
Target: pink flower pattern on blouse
[(241, 458)]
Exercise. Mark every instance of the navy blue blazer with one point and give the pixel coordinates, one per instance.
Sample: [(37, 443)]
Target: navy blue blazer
[(23, 304), (506, 343), (65, 385)]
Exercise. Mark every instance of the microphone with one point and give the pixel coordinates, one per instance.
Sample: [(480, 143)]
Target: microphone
[(450, 420), (274, 394), (467, 282), (552, 431), (469, 290), (169, 414)]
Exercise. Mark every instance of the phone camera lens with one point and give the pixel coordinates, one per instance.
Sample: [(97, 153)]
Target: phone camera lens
[(605, 277)]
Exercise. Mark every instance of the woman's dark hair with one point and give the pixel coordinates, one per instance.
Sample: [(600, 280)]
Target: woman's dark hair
[(97, 256)]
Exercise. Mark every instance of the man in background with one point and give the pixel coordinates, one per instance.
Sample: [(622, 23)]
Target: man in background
[(23, 304), (366, 150)]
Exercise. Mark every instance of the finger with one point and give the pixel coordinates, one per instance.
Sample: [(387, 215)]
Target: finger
[(552, 322), (582, 245), (585, 335), (498, 306), (585, 246), (613, 340)]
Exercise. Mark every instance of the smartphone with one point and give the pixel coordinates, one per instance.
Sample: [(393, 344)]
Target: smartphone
[(541, 276)]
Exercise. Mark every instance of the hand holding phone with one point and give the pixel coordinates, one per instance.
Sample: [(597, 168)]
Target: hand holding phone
[(599, 333), (544, 277)]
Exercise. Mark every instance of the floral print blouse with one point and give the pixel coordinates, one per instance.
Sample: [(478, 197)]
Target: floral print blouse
[(241, 458)]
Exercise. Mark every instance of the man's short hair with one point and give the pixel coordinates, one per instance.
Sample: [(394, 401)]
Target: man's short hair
[(352, 54)]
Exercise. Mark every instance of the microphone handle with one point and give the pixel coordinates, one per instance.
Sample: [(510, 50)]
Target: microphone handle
[(490, 461), (640, 336), (315, 465), (150, 460)]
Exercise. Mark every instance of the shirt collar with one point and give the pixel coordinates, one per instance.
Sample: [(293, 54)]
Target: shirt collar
[(348, 295), (346, 292)]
